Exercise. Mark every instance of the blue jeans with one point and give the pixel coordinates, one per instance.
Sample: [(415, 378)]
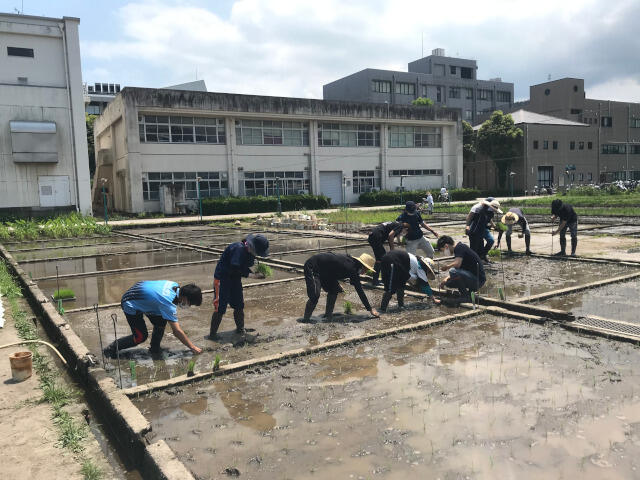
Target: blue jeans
[(463, 280), (488, 237)]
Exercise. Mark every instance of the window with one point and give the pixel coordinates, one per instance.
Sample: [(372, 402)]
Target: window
[(576, 111), (438, 94), (535, 144), (485, 94), (590, 145), (381, 86), (614, 149), (545, 144), (468, 93), (547, 91), (405, 88), (348, 135), (468, 115), (606, 122), (555, 144), (264, 183), (175, 129), (634, 149), (454, 92), (453, 69), (425, 91), (466, 72), (589, 176), (545, 176), (581, 177), (503, 96), (572, 145), (418, 137), (635, 123), (212, 184), (415, 173), (267, 132), (365, 180), (20, 52), (580, 145), (93, 109)]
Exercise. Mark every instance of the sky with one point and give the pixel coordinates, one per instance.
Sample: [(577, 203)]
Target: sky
[(293, 47)]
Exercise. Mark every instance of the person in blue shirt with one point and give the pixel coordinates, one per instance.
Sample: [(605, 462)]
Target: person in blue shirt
[(158, 300), (415, 237), (235, 262)]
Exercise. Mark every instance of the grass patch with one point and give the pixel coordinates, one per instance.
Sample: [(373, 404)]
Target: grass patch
[(71, 433), (264, 269), (63, 294), (63, 226)]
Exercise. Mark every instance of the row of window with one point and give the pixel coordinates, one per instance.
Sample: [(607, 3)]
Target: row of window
[(264, 183), (404, 88), (267, 132), (348, 135), (212, 184), (554, 144), (414, 173), (177, 129), (618, 148), (365, 180)]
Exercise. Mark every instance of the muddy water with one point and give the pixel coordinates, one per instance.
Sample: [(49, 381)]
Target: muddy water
[(272, 311), (482, 398), (53, 243), (90, 250), (99, 264), (620, 301)]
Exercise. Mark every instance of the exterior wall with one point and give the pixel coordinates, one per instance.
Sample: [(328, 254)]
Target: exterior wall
[(51, 92), (117, 142)]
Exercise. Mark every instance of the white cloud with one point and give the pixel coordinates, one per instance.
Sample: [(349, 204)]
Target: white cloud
[(292, 48), (625, 89)]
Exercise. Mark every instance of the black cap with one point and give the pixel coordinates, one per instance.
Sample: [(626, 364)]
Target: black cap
[(259, 243), (410, 206)]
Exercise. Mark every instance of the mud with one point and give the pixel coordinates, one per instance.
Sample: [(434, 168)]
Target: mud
[(272, 313), (620, 301), (481, 398)]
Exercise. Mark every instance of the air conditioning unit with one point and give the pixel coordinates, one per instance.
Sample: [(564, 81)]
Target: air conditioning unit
[(303, 192)]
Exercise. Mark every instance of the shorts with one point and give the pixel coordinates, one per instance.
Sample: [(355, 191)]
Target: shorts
[(227, 292)]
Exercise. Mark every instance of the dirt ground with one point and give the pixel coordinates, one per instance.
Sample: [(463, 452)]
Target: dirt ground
[(28, 437)]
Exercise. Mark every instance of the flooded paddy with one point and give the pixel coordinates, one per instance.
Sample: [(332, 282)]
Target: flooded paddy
[(618, 301), (485, 397), (98, 249)]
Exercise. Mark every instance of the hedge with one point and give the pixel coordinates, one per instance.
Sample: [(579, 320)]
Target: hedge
[(386, 197), (227, 205)]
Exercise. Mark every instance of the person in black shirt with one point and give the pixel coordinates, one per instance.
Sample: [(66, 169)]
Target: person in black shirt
[(568, 219), (323, 270), (385, 232), (415, 237), (466, 272), (400, 267), (515, 217)]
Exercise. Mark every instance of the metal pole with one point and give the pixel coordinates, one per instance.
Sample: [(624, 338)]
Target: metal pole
[(199, 197), (114, 317), (95, 307), (278, 194), (104, 202)]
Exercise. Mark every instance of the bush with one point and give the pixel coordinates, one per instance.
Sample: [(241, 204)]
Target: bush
[(386, 197), (228, 205)]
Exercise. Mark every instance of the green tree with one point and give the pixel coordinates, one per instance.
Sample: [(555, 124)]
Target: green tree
[(90, 120), (422, 102), (468, 141), (501, 140)]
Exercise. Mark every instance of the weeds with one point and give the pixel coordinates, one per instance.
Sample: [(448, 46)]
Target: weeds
[(90, 470), (63, 226)]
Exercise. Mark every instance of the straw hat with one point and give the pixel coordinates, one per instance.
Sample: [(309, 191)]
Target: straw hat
[(510, 218), (495, 206), (367, 261), (428, 266)]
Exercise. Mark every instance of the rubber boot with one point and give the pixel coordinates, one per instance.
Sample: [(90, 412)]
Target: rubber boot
[(216, 318), (238, 317), (508, 239), (527, 243), (563, 248), (309, 308), (123, 343), (386, 296), (574, 245), (331, 302), (400, 296), (156, 338)]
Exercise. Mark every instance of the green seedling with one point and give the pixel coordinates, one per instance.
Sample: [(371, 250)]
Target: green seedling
[(348, 307), (501, 226), (494, 252), (192, 364), (216, 363), (63, 294), (501, 293), (60, 308), (134, 378), (473, 299), (264, 270)]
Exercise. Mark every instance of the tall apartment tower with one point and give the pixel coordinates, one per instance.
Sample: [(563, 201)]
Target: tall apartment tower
[(448, 81)]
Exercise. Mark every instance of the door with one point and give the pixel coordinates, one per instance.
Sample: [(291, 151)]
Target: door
[(545, 176), (331, 186), (54, 191)]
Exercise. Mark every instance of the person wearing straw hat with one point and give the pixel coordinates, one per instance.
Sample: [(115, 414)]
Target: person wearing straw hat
[(400, 267), (479, 222), (515, 217), (415, 238), (466, 272), (322, 272), (385, 232), (568, 220), (235, 262)]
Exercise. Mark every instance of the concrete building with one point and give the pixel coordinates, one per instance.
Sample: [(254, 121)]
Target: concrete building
[(43, 141), (549, 145), (445, 80), (150, 141), (614, 127)]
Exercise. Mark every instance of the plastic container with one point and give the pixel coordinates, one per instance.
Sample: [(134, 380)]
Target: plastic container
[(21, 365)]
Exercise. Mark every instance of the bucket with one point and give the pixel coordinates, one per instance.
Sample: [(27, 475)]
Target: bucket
[(20, 365)]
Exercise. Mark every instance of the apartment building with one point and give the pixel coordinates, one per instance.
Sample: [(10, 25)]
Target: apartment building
[(446, 80), (148, 140)]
